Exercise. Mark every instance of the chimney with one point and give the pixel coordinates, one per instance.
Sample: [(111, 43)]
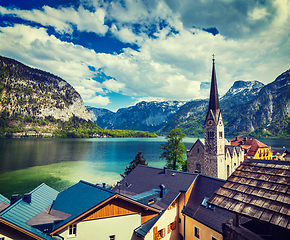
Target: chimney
[(165, 170), (236, 139), (27, 198), (245, 139), (162, 190), (14, 199), (104, 185)]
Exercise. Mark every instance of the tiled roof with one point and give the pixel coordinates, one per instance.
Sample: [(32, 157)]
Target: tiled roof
[(144, 179), (4, 202), (258, 189), (245, 143), (80, 198), (21, 211), (280, 151), (205, 186)]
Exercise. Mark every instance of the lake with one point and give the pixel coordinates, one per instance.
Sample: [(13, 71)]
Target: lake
[(60, 163)]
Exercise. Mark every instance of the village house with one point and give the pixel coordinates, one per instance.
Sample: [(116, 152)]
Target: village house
[(13, 219), (215, 156), (202, 220), (258, 196), (163, 189), (253, 148)]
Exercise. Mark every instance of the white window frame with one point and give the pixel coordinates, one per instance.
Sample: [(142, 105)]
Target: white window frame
[(72, 231)]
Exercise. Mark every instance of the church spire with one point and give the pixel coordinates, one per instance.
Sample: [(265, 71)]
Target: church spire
[(214, 97)]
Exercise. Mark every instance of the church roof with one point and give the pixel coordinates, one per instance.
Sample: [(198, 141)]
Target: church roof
[(214, 105)]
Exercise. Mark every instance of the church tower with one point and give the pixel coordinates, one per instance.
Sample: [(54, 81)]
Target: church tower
[(214, 154)]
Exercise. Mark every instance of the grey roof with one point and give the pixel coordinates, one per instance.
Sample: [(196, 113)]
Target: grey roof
[(278, 150), (205, 186), (231, 149), (20, 212), (143, 179), (198, 141)]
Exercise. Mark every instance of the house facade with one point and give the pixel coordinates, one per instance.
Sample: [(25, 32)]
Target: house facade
[(214, 157), (253, 148)]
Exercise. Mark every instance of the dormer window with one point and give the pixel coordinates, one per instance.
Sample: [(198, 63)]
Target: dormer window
[(205, 204)]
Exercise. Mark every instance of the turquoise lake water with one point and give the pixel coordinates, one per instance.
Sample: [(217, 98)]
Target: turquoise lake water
[(25, 163)]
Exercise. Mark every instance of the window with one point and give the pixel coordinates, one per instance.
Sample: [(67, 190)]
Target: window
[(72, 230), (198, 167), (161, 233), (112, 237), (213, 238), (151, 201), (228, 171), (221, 134), (204, 202), (197, 232), (171, 227), (210, 135)]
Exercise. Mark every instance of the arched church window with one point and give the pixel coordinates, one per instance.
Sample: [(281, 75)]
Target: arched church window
[(228, 171), (210, 135), (221, 134)]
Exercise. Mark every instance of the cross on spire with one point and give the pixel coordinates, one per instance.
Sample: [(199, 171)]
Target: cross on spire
[(213, 57)]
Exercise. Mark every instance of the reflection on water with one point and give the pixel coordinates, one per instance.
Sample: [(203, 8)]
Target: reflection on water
[(26, 163)]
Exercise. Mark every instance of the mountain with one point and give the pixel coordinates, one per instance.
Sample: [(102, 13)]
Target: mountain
[(146, 116), (241, 91), (248, 108), (28, 91)]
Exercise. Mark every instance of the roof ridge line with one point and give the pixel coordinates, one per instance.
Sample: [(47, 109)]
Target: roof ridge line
[(96, 186)]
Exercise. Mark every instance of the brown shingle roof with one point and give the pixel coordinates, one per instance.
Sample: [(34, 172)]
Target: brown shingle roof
[(259, 190)]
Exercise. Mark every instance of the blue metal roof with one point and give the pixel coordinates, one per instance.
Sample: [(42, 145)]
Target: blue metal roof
[(145, 227), (80, 198), (20, 212)]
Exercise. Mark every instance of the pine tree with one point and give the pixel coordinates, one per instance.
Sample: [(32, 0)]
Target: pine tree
[(138, 160)]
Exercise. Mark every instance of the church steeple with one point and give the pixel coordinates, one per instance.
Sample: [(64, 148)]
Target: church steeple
[(214, 105)]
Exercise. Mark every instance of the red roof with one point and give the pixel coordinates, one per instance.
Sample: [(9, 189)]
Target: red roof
[(245, 143)]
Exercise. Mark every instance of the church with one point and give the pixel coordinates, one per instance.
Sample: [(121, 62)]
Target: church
[(215, 156)]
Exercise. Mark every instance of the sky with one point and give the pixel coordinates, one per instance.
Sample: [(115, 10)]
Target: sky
[(118, 53)]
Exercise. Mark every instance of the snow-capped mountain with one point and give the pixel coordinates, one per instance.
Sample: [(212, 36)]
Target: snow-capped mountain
[(245, 90), (149, 116)]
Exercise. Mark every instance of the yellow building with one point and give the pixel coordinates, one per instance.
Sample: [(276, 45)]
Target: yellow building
[(253, 148), (203, 221)]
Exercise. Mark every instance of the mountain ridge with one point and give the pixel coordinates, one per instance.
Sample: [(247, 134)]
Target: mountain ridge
[(248, 108)]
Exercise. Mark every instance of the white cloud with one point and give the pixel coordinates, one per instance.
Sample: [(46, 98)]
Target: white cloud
[(258, 13), (98, 100), (63, 19), (168, 66)]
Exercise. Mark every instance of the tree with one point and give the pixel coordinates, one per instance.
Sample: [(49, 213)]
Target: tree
[(138, 160), (174, 150)]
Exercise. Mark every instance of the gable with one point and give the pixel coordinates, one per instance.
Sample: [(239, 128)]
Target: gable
[(120, 207)]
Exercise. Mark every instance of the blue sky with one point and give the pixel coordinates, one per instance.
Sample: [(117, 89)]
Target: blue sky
[(117, 53)]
